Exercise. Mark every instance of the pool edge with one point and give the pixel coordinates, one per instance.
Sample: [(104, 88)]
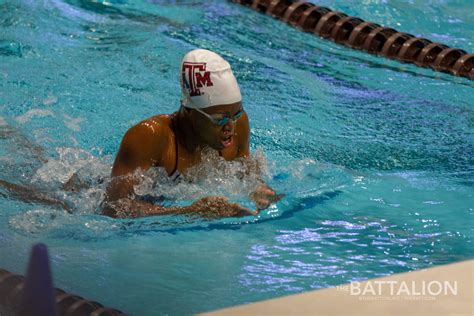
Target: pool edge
[(339, 300)]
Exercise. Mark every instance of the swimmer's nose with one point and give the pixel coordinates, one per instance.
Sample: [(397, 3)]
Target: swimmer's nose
[(229, 127)]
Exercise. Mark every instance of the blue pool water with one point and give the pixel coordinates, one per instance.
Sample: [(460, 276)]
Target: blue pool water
[(375, 157)]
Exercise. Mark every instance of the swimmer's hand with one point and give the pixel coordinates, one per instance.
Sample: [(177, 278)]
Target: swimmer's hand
[(264, 196), (217, 206)]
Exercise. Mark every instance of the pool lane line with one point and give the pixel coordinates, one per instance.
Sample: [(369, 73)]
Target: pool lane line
[(370, 37), (35, 295)]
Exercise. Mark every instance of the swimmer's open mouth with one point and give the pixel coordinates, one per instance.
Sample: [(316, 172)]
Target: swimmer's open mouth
[(226, 142)]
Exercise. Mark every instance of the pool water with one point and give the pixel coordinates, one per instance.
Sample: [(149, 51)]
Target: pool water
[(375, 157)]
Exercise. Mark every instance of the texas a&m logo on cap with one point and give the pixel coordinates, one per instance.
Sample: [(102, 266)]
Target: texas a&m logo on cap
[(195, 76)]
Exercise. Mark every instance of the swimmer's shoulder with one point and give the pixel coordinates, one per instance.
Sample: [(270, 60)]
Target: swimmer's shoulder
[(158, 125), (152, 133)]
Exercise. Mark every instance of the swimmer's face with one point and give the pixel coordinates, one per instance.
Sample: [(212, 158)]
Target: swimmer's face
[(217, 131)]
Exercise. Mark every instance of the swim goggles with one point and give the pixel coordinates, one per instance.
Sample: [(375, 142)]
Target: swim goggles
[(219, 119)]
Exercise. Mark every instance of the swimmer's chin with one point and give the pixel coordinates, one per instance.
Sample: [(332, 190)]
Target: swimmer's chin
[(221, 144), (224, 143), (218, 146)]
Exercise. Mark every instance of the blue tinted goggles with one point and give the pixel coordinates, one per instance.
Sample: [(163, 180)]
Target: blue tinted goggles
[(219, 119)]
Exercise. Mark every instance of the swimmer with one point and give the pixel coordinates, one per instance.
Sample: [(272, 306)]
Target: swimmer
[(211, 117)]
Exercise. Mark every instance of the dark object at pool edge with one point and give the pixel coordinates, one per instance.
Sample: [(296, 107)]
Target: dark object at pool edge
[(35, 295)]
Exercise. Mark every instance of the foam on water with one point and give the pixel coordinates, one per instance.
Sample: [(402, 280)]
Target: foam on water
[(214, 176), (80, 178), (76, 172)]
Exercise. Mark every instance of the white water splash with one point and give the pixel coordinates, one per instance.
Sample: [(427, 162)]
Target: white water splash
[(22, 119), (3, 122), (73, 123), (214, 176), (71, 161), (51, 99), (39, 220), (59, 223)]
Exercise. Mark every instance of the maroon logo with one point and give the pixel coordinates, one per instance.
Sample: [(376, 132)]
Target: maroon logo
[(195, 76)]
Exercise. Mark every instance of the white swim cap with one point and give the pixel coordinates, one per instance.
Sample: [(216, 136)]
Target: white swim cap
[(207, 80)]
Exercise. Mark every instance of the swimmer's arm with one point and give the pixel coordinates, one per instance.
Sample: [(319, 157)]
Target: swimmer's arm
[(210, 207), (139, 148), (130, 208)]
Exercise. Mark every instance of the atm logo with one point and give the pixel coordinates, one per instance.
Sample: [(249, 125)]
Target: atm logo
[(195, 76)]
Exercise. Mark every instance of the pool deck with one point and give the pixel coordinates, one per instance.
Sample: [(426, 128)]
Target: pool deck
[(411, 293)]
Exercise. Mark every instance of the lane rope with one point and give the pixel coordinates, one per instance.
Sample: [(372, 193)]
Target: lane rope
[(370, 37)]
